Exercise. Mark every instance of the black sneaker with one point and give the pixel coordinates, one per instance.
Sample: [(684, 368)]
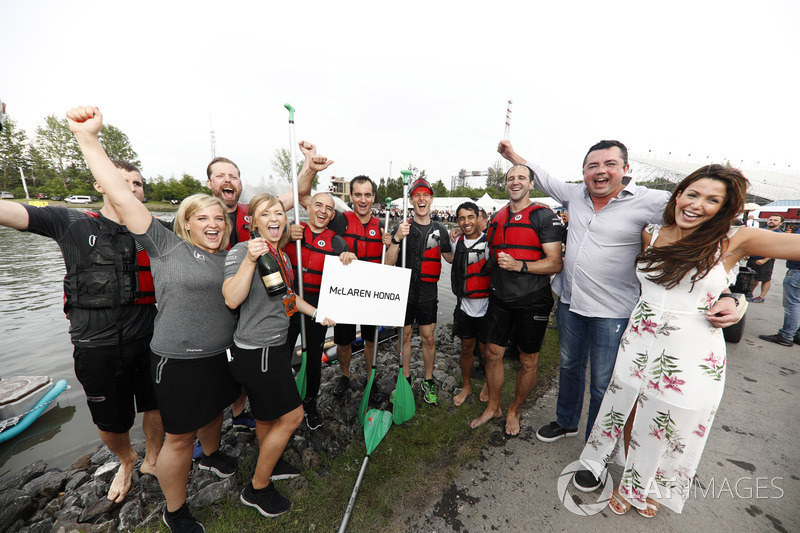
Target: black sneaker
[(552, 432), (267, 501), (182, 521), (341, 386), (585, 481), (245, 421), (777, 339), (284, 470), (797, 339), (313, 418), (222, 465), (375, 394)]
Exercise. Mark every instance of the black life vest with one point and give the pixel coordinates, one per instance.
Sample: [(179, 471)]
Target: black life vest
[(314, 250), (469, 277), (514, 236), (114, 274), (242, 227), (365, 242)]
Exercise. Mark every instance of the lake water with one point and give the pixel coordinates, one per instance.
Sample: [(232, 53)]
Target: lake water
[(35, 341)]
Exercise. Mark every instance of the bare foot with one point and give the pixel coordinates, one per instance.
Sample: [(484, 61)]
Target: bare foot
[(121, 483), (485, 393), (512, 423), (459, 398), (485, 417), (148, 468)]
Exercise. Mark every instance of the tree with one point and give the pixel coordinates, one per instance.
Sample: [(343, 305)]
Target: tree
[(282, 164), (59, 147), (394, 187), (497, 177), (381, 193), (118, 146), (12, 153), (439, 190)]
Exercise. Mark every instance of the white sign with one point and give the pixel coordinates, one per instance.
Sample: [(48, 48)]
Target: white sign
[(363, 293)]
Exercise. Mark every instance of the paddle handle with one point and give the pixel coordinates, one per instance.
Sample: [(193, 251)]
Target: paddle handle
[(352, 501)]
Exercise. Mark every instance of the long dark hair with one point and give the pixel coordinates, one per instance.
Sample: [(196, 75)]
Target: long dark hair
[(700, 249)]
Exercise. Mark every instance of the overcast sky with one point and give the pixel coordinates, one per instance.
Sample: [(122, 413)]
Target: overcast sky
[(423, 83)]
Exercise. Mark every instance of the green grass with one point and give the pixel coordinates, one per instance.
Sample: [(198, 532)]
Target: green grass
[(409, 469)]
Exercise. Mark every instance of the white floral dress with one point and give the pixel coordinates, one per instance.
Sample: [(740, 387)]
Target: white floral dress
[(671, 362)]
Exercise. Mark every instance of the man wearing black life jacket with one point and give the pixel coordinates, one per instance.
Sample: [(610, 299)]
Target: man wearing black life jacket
[(428, 243), (469, 279), (224, 180), (362, 232), (525, 249), (318, 240), (110, 302)]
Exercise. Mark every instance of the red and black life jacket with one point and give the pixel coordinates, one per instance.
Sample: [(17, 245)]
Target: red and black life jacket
[(431, 266), (116, 273), (469, 277), (514, 236), (314, 250), (242, 226), (365, 242)]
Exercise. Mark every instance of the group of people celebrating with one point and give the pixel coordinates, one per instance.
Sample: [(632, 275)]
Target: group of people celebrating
[(641, 293)]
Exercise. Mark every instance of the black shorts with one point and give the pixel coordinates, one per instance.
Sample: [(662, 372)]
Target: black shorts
[(191, 393), (529, 318), (469, 327), (763, 272), (266, 374), (117, 383), (423, 305), (344, 334)]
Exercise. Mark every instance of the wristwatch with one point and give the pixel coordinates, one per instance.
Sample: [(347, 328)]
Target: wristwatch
[(729, 295), (524, 268), (394, 241)]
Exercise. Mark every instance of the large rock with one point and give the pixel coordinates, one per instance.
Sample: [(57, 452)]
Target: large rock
[(46, 486), (103, 505), (106, 472), (212, 493), (76, 479), (130, 516), (20, 479), (15, 505), (89, 493)]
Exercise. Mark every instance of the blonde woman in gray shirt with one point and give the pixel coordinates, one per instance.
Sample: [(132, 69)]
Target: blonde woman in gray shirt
[(193, 327)]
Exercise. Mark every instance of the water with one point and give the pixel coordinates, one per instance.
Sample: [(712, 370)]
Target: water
[(35, 341)]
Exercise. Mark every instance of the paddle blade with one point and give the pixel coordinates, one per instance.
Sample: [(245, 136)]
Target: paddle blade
[(404, 407), (362, 409), (302, 383), (376, 426)]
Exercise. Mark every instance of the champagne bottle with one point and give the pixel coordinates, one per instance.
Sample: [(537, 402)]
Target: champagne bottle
[(270, 274)]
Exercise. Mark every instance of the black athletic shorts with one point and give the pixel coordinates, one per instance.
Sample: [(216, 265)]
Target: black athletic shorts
[(117, 383), (529, 317), (469, 327), (344, 334), (191, 393), (763, 272), (266, 374)]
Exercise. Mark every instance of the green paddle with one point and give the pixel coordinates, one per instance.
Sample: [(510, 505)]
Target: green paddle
[(404, 407), (302, 380), (377, 425), (362, 410)]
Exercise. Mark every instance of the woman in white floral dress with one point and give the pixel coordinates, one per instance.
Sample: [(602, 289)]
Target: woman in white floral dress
[(670, 370)]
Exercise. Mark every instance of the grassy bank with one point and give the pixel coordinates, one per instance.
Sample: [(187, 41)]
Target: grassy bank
[(408, 470)]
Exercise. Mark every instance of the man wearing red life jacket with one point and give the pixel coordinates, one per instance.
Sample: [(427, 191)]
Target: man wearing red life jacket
[(111, 314), (525, 246), (362, 232), (428, 244), (470, 283), (317, 241), (224, 180)]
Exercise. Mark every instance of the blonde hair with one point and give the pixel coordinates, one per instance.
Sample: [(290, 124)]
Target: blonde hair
[(271, 201), (189, 206)]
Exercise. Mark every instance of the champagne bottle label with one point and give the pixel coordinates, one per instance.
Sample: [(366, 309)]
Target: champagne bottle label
[(272, 280)]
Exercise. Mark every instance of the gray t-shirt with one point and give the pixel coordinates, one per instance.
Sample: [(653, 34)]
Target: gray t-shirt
[(193, 321), (262, 318)]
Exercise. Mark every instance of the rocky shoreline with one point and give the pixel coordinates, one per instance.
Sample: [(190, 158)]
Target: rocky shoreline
[(42, 500)]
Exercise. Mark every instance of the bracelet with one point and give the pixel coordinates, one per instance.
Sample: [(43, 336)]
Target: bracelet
[(314, 315), (394, 241), (729, 295)]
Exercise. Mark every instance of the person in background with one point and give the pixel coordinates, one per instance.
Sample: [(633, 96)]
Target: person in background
[(261, 356), (763, 265), (193, 327), (110, 328)]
